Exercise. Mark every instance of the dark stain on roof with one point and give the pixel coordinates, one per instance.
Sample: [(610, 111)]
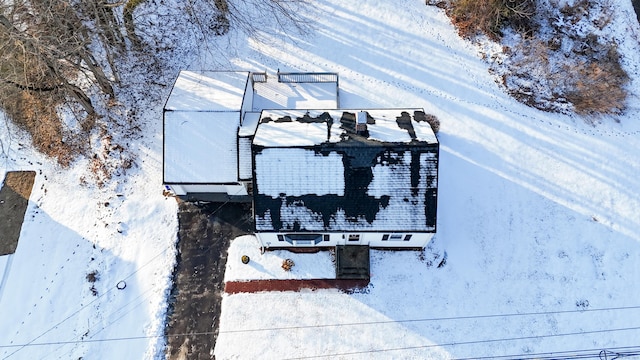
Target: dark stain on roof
[(356, 203), (404, 122), (283, 119)]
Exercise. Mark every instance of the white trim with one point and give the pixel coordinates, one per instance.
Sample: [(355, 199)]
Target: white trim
[(417, 240)]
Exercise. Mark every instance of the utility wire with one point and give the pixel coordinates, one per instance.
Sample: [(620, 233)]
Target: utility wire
[(464, 343), (468, 317), (139, 300), (87, 305), (32, 342), (613, 352), (609, 354)]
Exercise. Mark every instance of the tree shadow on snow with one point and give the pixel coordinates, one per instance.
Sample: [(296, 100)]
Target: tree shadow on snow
[(62, 289)]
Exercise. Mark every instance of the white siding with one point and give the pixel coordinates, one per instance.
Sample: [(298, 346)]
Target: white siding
[(418, 240), (234, 190)]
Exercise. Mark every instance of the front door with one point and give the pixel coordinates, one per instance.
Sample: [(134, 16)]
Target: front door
[(353, 239)]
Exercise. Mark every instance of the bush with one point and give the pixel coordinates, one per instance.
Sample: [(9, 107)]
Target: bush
[(568, 69), (92, 276), (287, 264), (489, 17), (36, 113), (434, 122), (598, 86)]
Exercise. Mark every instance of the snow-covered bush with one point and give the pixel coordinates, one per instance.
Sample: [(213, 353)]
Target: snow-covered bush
[(287, 264), (489, 17), (557, 55), (570, 64)]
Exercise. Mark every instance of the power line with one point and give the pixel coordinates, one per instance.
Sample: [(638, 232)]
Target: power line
[(631, 350), (467, 317), (127, 338), (85, 306), (450, 318), (286, 328), (608, 354), (464, 343), (32, 342), (90, 330)]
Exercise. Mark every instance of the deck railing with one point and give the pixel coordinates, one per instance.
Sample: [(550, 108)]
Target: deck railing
[(307, 77), (260, 77)]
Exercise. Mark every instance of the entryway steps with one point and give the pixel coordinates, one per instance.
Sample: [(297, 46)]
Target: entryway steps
[(352, 262)]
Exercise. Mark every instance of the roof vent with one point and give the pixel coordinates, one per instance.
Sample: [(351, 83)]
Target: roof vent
[(361, 123)]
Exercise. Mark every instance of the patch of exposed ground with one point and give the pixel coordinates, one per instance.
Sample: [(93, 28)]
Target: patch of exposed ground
[(14, 198), (205, 232)]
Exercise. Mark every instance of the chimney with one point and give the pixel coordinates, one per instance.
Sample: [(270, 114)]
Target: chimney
[(361, 123)]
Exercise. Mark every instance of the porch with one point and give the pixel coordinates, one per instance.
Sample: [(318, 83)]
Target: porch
[(343, 267)]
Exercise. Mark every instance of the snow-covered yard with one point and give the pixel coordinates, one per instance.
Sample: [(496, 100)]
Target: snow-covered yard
[(537, 211), (538, 215), (124, 234)]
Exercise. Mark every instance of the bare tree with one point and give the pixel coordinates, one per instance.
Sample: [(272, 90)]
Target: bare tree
[(47, 58), (55, 52)]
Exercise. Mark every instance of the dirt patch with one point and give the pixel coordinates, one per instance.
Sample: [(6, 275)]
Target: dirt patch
[(14, 198), (205, 232)]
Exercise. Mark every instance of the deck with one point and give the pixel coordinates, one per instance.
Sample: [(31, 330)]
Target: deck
[(295, 91)]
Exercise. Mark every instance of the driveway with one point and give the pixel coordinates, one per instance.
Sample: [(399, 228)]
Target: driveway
[(194, 305)]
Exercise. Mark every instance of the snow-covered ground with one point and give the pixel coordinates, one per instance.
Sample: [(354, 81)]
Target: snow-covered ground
[(538, 214), (268, 265), (123, 233)]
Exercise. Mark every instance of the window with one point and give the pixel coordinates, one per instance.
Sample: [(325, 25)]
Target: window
[(326, 237), (354, 237), (280, 238), (407, 237), (303, 239), (395, 237), (385, 237)]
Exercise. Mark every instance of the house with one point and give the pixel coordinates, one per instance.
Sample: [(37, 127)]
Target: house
[(209, 120), (335, 177), (201, 120), (318, 175)]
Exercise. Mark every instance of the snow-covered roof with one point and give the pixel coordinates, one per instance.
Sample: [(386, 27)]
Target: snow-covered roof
[(346, 189), (287, 128), (249, 124), (200, 147), (201, 120), (208, 91), (273, 94), (345, 170)]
